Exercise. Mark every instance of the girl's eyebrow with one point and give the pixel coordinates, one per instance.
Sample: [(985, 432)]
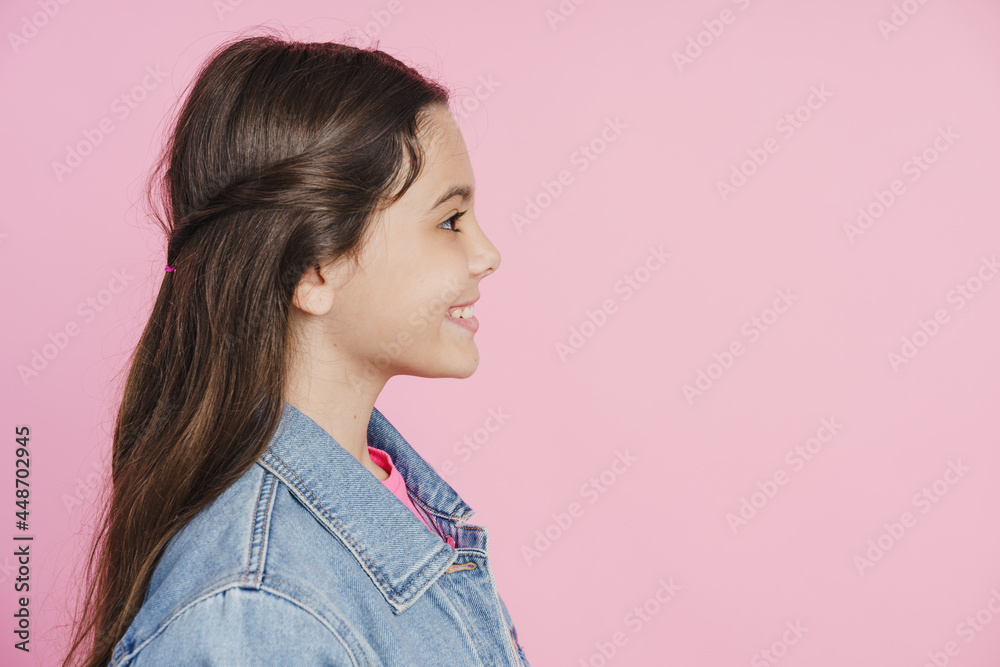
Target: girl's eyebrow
[(463, 191)]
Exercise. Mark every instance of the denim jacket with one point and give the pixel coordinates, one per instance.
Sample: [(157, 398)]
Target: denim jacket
[(308, 559)]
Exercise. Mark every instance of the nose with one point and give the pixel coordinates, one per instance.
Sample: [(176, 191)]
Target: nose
[(491, 258), (486, 256)]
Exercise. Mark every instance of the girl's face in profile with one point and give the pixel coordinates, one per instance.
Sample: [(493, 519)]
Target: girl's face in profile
[(419, 263)]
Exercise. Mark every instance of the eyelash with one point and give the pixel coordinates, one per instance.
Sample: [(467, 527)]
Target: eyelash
[(454, 220)]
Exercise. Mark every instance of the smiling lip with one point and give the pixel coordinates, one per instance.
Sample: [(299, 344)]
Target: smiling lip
[(471, 324), (463, 305)]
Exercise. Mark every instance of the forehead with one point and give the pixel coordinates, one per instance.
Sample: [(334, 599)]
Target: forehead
[(446, 158), (446, 164)]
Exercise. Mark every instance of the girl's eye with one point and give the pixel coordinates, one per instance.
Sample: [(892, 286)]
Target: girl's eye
[(453, 220)]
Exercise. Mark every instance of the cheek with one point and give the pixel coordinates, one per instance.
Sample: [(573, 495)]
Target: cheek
[(414, 312), (421, 285), (453, 277), (438, 301)]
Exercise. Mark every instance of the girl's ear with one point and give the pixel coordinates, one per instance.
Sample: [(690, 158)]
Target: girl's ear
[(313, 294)]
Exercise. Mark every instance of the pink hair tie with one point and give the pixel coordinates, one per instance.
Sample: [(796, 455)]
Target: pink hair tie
[(168, 268)]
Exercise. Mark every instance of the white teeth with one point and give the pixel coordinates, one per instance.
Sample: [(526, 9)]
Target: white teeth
[(463, 313)]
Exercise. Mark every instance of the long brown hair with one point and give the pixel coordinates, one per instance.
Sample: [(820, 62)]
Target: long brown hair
[(281, 155)]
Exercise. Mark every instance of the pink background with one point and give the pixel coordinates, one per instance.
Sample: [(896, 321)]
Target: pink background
[(533, 95)]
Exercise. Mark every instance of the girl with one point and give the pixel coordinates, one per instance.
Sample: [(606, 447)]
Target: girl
[(321, 240)]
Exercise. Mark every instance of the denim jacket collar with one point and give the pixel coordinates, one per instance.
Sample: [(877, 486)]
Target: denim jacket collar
[(392, 545)]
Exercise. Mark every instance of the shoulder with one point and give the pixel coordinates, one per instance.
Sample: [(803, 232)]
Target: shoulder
[(240, 626), (252, 579)]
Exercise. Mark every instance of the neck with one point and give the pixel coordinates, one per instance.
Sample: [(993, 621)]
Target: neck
[(343, 414)]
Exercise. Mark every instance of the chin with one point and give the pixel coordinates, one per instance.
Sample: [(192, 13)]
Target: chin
[(468, 371), (459, 369)]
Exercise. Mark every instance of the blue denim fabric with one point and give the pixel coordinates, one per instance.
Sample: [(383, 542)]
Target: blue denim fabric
[(308, 559)]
